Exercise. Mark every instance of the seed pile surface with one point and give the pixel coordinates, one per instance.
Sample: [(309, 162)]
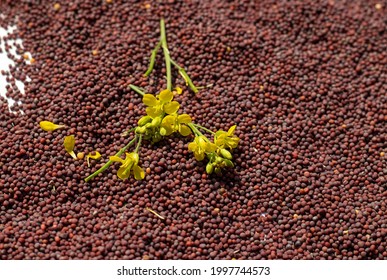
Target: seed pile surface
[(305, 82)]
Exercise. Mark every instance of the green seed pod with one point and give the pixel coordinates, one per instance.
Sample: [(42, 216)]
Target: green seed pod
[(226, 154), (144, 120), (209, 168), (218, 171)]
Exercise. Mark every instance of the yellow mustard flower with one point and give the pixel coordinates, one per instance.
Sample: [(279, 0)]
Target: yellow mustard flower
[(200, 146), (227, 139), (162, 103), (128, 165), (175, 122)]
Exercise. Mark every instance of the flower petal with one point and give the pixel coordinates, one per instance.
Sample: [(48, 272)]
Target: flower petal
[(49, 126), (211, 147), (69, 143), (231, 130), (184, 130), (116, 159), (149, 100), (166, 130), (199, 156), (166, 96), (139, 173), (220, 133), (178, 90), (133, 157), (172, 107), (184, 118), (123, 173), (153, 112), (169, 120), (94, 155), (192, 146)]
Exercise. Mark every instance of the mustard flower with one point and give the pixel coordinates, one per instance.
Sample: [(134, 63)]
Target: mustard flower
[(129, 164), (162, 103), (200, 146), (175, 122), (227, 139)]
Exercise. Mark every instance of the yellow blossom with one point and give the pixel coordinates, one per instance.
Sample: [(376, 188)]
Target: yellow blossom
[(227, 139), (128, 165), (162, 103), (200, 146), (175, 122)]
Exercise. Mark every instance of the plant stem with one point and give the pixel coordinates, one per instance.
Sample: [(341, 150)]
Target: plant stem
[(107, 164), (194, 129), (138, 144), (202, 127), (164, 45), (125, 133), (152, 59), (185, 76), (137, 89)]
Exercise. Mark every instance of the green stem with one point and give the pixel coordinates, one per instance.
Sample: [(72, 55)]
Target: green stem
[(164, 45), (185, 76), (125, 133), (137, 89), (107, 164), (138, 144), (202, 127), (194, 129), (152, 59)]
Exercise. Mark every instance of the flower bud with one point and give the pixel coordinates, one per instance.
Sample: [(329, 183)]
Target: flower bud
[(144, 120), (218, 159), (156, 122), (228, 163), (209, 168), (226, 154), (163, 131), (140, 130)]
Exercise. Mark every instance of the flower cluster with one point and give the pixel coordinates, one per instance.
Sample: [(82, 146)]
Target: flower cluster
[(162, 119), (218, 152)]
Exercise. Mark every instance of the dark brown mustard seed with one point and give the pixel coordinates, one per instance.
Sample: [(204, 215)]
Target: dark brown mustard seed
[(303, 82)]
